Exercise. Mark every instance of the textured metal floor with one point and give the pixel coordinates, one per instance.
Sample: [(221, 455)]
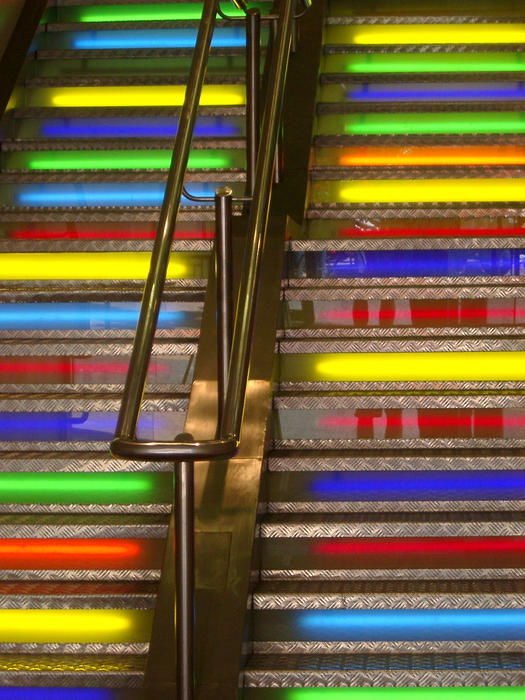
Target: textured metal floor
[(391, 556)]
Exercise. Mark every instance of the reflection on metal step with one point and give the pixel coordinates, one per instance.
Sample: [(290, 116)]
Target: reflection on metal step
[(424, 92), (405, 123), (419, 155), (91, 316), (107, 231), (83, 426), (84, 487), (384, 34), (91, 266), (124, 96), (471, 62), (213, 159), (80, 554), (424, 190)]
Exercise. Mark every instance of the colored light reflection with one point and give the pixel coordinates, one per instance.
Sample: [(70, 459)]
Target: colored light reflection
[(426, 155), (82, 316), (114, 160), (103, 234), (129, 127), (40, 693), (89, 554), (425, 123), (149, 13), (73, 626), (411, 625), (459, 262), (422, 546), (441, 92), (84, 266), (501, 33), (491, 62), (180, 38), (143, 194), (422, 485), (126, 96), (394, 693), (83, 426), (81, 487), (429, 190), (418, 366), (403, 232)]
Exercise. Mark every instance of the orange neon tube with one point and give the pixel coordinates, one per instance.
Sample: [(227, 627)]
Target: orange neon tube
[(432, 155)]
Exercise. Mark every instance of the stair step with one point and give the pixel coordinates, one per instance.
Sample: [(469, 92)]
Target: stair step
[(56, 526)]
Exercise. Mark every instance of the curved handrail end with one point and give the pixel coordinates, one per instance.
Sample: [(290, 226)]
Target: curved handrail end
[(127, 448)]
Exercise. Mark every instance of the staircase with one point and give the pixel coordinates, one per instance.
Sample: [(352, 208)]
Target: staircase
[(87, 143), (391, 547)]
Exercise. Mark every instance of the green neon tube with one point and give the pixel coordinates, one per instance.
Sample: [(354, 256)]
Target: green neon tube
[(75, 487), (120, 159), (424, 123), (460, 693), (493, 62), (147, 13)]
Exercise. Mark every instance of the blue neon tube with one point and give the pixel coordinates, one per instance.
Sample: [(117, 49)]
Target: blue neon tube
[(184, 38), (441, 92), (35, 693), (420, 263), (81, 426), (83, 316), (422, 485), (130, 127), (129, 194), (410, 625)]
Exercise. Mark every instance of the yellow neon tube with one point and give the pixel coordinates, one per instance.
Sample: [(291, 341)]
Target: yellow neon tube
[(427, 155), (123, 96), (70, 626), (426, 34), (85, 266), (438, 190), (416, 366)]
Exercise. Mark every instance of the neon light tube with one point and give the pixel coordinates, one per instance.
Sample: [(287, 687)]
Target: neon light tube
[(422, 485), (79, 554), (490, 62), (122, 159), (416, 366), (84, 487), (180, 38), (410, 625), (141, 194), (132, 127), (85, 266), (421, 263), (40, 693), (438, 190), (446, 92), (83, 426), (426, 34), (424, 123), (147, 13), (126, 96), (394, 693), (74, 626), (83, 316), (404, 232), (453, 547), (78, 232), (422, 155)]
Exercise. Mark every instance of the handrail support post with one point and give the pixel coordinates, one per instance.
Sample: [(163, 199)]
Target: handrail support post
[(224, 294), (184, 506), (278, 168), (253, 117)]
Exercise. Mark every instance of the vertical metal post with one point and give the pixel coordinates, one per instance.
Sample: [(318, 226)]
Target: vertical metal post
[(185, 578), (224, 277), (278, 170), (253, 59)]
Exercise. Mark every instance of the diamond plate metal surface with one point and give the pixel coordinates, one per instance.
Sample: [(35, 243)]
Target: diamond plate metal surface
[(388, 574), (389, 506)]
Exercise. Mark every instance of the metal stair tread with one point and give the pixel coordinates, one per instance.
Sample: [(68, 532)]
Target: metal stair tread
[(83, 525), (125, 81), (15, 144), (87, 461)]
